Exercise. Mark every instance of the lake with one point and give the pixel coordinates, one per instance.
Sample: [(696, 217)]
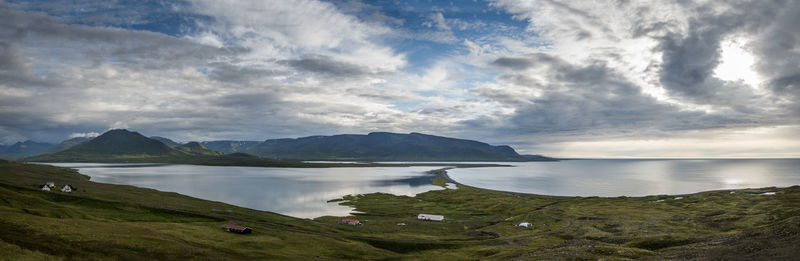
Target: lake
[(297, 192), (304, 192), (618, 177)]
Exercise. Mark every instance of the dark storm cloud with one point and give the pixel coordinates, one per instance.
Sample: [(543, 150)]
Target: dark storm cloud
[(513, 63), (778, 48), (689, 60), (594, 97), (326, 65)]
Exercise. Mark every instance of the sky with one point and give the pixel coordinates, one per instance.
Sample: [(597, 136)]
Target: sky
[(605, 79)]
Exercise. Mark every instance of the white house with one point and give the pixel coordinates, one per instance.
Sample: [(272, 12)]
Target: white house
[(67, 188), (430, 217), (524, 224)]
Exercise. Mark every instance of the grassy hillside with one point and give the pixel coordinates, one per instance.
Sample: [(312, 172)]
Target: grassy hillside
[(103, 221)]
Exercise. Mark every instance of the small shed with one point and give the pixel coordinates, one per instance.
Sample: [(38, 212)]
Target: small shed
[(524, 224), (430, 217), (349, 221), (44, 187), (67, 188), (237, 229)]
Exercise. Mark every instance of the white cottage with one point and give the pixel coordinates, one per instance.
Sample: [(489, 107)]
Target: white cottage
[(430, 217), (67, 188)]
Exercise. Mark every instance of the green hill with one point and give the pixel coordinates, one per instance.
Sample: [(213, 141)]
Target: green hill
[(114, 144), (384, 146), (195, 148)]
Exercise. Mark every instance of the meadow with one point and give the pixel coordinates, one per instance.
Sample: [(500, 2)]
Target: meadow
[(104, 221)]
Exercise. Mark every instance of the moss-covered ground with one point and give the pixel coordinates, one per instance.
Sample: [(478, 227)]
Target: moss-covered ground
[(104, 221)]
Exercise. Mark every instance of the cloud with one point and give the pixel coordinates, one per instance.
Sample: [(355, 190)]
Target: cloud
[(580, 70), (84, 135)]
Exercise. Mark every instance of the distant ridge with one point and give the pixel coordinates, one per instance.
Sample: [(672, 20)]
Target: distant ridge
[(195, 148), (121, 145), (166, 141), (66, 144), (24, 149), (229, 146), (384, 146)]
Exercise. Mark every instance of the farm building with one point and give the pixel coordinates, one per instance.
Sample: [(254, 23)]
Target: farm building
[(524, 224), (237, 229), (430, 217), (45, 187), (67, 188), (348, 221)]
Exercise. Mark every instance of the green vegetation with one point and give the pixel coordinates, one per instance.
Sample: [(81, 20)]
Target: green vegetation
[(104, 221)]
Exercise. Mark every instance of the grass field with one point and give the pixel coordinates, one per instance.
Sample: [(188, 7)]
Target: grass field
[(104, 221)]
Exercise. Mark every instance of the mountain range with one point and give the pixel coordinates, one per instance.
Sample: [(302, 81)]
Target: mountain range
[(124, 145)]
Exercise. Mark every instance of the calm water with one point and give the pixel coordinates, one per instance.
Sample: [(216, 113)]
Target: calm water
[(633, 177), (305, 192), (298, 192)]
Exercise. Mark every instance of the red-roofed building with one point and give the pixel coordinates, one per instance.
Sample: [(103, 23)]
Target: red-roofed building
[(349, 221), (237, 229)]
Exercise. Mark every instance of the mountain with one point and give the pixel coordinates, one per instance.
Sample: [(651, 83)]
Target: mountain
[(538, 158), (66, 144), (229, 146), (114, 144), (25, 149), (195, 148), (383, 146), (168, 142)]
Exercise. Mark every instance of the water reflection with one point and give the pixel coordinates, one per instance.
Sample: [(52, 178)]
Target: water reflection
[(633, 177), (299, 192)]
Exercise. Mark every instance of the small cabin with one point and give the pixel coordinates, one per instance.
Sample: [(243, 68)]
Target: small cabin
[(67, 188), (524, 224), (237, 229), (349, 221), (430, 217)]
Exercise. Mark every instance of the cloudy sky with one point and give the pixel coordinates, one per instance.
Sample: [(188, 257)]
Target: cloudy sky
[(562, 78)]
